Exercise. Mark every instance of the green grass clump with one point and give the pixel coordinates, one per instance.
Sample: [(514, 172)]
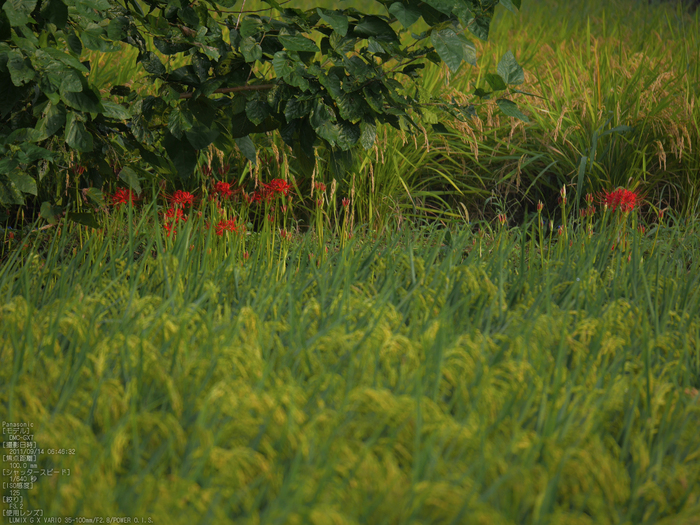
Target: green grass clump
[(422, 377)]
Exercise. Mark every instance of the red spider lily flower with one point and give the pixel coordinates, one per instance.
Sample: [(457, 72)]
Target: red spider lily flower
[(229, 226), (123, 196), (12, 235), (320, 186), (78, 169), (346, 202), (278, 186), (502, 218), (625, 199), (223, 189), (181, 198), (562, 192), (540, 206), (176, 215), (589, 198), (224, 169)]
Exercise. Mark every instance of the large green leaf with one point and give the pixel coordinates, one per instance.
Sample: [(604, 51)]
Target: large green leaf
[(129, 176), (50, 212), (444, 6), (376, 27), (245, 144), (53, 120), (180, 121), (251, 49), (495, 81), (510, 70), (20, 68), (86, 101), (200, 136), (183, 155), (77, 137), (298, 43), (152, 63), (257, 111), (449, 47), (404, 13), (281, 64), (115, 111), (338, 21), (56, 12), (511, 109), (18, 11), (23, 182), (368, 134), (86, 219)]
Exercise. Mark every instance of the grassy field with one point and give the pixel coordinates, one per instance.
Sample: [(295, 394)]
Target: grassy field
[(419, 344)]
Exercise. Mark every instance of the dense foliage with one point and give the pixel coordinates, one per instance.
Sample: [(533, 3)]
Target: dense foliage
[(322, 78)]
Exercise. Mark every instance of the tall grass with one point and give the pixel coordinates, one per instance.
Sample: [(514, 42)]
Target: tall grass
[(427, 377)]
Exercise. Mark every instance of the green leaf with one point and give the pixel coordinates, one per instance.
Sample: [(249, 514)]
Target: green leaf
[(480, 27), (200, 136), (444, 6), (510, 70), (96, 196), (115, 111), (54, 119), (86, 219), (449, 47), (92, 38), (495, 81), (77, 137), (298, 43), (338, 21), (257, 111), (468, 49), (281, 64), (246, 146), (511, 109), (249, 27), (296, 108), (50, 212), (348, 135), (31, 153), (368, 134), (179, 122), (74, 43), (131, 179), (251, 49), (406, 14), (183, 155), (151, 63), (118, 27), (203, 110), (71, 81), (85, 101), (350, 106), (62, 57), (20, 68), (18, 11), (508, 4), (23, 182), (56, 12), (376, 27)]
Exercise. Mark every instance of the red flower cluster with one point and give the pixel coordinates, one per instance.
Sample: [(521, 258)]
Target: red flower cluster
[(172, 217), (222, 189), (625, 199), (229, 226), (123, 196), (181, 198), (270, 190)]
